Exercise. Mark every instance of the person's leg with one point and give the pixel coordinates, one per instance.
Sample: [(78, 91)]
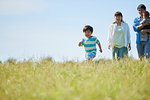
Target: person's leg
[(123, 52), (113, 52), (118, 53), (140, 50), (147, 50), (90, 56)]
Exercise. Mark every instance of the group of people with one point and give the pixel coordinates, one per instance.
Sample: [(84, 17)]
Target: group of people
[(119, 36)]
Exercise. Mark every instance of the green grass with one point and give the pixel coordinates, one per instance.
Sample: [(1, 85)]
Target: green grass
[(128, 79)]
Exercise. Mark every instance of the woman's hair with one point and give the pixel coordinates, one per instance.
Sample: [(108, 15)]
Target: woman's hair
[(118, 13), (88, 27), (141, 6)]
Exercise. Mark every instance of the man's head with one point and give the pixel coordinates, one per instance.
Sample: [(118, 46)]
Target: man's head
[(141, 9)]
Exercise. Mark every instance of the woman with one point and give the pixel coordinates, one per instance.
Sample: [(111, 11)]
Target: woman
[(119, 37)]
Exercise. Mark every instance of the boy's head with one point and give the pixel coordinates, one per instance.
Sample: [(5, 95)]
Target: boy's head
[(146, 14), (88, 30)]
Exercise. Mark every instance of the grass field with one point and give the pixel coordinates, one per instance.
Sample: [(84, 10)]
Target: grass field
[(128, 79)]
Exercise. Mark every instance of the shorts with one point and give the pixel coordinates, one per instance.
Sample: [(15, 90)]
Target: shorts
[(90, 56)]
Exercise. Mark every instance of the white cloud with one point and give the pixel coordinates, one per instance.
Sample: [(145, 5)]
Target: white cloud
[(9, 7)]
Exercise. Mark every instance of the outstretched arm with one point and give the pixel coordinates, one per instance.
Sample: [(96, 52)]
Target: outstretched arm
[(80, 44)]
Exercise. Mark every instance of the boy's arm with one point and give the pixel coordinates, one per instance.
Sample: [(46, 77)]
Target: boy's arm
[(142, 24), (100, 48), (99, 45), (81, 43), (146, 22)]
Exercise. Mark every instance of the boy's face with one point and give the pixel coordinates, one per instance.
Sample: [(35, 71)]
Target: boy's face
[(88, 33), (144, 16)]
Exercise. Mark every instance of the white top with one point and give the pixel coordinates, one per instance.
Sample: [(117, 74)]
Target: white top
[(119, 37), (126, 31)]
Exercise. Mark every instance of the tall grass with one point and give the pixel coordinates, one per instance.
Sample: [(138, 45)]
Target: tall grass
[(127, 79)]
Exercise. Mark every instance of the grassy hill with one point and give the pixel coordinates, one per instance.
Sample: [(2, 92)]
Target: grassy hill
[(127, 79)]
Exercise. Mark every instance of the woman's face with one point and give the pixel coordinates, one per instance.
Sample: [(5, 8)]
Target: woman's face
[(118, 18)]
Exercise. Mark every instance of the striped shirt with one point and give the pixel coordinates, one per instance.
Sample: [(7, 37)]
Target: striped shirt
[(90, 44)]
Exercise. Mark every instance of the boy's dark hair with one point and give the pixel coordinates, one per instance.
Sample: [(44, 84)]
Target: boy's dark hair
[(88, 27), (147, 14), (141, 6)]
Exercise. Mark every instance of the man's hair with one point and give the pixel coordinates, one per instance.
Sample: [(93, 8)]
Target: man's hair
[(88, 27), (141, 6), (147, 14)]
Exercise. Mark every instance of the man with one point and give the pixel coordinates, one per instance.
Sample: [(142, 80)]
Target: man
[(143, 44)]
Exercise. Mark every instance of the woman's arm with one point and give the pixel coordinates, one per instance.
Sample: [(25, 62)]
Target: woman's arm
[(110, 36), (129, 37), (129, 46)]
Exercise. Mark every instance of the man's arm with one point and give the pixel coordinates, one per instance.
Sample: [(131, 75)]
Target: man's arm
[(145, 31), (136, 25)]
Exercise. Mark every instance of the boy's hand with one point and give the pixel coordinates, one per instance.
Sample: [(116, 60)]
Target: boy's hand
[(80, 44), (140, 26), (141, 22), (100, 50)]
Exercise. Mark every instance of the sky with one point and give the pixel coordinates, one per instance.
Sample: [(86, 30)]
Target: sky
[(53, 28)]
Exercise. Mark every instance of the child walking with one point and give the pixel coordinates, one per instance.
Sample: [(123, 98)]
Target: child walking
[(89, 42)]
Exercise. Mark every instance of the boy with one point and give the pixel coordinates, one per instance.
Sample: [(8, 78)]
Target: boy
[(146, 23), (146, 20), (89, 43)]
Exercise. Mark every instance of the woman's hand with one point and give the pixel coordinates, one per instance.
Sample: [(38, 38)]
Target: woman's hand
[(108, 46), (129, 46)]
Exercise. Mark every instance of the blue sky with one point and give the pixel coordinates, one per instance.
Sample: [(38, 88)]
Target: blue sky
[(40, 28)]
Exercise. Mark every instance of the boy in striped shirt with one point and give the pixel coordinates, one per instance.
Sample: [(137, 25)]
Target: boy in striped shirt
[(89, 43)]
